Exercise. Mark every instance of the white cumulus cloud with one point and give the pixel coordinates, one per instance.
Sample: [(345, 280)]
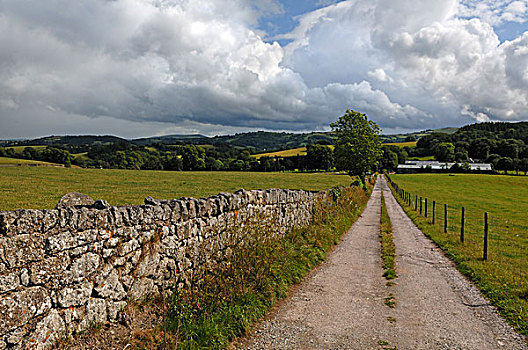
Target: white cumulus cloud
[(495, 12), (442, 65)]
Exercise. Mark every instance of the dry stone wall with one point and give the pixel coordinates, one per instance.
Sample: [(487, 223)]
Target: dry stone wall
[(66, 269)]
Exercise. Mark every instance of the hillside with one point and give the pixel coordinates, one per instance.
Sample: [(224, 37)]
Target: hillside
[(5, 161), (66, 140), (494, 127), (259, 141), (301, 151), (264, 141), (170, 139), (415, 136), (504, 145), (180, 152)]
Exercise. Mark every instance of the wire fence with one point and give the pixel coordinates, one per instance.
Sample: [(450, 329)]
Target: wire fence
[(500, 243)]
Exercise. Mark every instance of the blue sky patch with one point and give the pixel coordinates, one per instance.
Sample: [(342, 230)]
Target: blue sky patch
[(285, 22)]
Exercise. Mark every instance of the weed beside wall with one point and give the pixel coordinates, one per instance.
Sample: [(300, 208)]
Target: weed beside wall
[(230, 297)]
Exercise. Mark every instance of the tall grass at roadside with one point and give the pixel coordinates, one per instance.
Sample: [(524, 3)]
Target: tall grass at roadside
[(225, 302), (503, 278)]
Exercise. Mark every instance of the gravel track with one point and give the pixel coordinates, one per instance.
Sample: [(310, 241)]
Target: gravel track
[(341, 304)]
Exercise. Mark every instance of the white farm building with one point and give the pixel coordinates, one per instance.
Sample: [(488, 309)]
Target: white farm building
[(424, 165)]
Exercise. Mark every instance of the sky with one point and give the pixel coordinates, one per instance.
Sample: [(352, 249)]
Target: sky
[(137, 68)]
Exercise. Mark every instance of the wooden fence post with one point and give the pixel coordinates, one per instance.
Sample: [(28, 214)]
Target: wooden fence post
[(416, 203), (462, 219), (426, 207), (445, 218), (486, 236), (420, 205), (434, 212)]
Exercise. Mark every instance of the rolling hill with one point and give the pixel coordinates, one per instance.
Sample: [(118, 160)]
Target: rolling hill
[(259, 141), (66, 140)]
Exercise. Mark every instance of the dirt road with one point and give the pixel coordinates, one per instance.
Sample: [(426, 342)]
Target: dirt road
[(341, 305)]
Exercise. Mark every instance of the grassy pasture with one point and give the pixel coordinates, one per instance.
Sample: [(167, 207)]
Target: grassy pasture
[(504, 276), (19, 149), (301, 151), (80, 155), (401, 144), (41, 188), (422, 158), (14, 161), (286, 153)]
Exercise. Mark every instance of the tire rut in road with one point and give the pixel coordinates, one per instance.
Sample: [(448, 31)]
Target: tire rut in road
[(438, 308)]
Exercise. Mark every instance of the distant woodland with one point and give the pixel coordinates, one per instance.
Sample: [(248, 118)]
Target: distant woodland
[(504, 145)]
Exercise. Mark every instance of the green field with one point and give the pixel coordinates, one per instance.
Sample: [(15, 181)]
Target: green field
[(401, 144), (79, 156), (14, 161), (302, 150), (504, 276), (422, 158), (41, 188), (286, 153), (19, 149)]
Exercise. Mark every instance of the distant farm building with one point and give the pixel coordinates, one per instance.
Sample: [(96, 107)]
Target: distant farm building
[(417, 166)]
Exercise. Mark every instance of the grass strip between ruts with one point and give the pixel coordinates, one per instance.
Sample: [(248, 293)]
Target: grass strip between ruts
[(388, 249)]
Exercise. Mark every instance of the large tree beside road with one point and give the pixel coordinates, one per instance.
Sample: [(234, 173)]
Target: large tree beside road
[(358, 147)]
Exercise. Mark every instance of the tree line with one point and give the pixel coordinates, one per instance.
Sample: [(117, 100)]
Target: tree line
[(357, 150), (125, 155)]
